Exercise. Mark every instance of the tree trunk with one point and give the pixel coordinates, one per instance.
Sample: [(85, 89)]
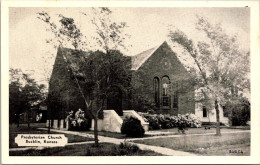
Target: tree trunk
[(96, 130), (217, 119), (28, 119)]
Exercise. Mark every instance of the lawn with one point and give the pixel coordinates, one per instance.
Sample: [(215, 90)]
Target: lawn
[(162, 132), (105, 149), (225, 145), (109, 134), (113, 134), (23, 129), (197, 130)]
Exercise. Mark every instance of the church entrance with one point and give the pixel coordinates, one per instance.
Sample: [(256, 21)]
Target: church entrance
[(114, 101)]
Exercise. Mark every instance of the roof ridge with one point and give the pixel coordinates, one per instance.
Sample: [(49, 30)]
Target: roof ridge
[(146, 56)]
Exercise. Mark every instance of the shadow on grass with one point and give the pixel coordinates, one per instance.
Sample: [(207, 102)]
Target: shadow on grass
[(104, 149)]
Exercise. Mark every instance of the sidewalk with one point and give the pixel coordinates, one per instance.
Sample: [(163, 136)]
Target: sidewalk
[(161, 150)]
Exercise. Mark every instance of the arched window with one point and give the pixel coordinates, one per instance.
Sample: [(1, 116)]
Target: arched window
[(156, 90), (166, 91)]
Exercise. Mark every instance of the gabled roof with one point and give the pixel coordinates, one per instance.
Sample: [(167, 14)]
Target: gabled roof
[(139, 59), (73, 58)]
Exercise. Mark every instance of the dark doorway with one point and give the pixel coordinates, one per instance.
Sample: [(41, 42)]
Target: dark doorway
[(114, 101)]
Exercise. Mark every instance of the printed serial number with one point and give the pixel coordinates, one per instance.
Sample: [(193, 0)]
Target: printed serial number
[(236, 151)]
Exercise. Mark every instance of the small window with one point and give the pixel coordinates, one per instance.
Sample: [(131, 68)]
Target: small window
[(225, 113), (205, 113)]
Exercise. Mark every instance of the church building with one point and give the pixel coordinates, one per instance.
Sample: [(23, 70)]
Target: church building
[(158, 77)]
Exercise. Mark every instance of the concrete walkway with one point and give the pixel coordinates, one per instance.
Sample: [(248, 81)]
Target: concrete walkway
[(103, 139)]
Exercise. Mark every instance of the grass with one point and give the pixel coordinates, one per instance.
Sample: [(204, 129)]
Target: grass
[(113, 134), (109, 134), (104, 149), (23, 129), (197, 130), (227, 144), (162, 132), (206, 144)]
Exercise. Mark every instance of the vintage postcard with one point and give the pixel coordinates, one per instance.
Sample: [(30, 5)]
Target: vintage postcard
[(109, 81)]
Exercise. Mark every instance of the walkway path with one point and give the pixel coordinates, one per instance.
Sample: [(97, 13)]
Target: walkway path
[(102, 139)]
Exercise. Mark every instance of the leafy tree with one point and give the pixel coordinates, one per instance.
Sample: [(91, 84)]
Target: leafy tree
[(24, 94), (238, 111), (220, 67), (95, 73)]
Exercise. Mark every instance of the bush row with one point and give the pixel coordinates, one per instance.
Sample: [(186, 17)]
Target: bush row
[(166, 121)]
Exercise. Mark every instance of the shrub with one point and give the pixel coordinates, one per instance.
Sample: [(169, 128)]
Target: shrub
[(77, 121), (152, 119), (239, 112), (160, 121), (124, 149), (132, 127), (129, 147), (193, 120)]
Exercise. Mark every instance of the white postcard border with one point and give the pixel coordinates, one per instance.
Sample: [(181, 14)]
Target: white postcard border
[(255, 81)]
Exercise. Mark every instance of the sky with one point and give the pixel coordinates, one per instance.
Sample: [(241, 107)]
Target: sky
[(148, 27)]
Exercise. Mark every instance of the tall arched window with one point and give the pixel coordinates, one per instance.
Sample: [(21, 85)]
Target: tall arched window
[(156, 90), (166, 91)]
